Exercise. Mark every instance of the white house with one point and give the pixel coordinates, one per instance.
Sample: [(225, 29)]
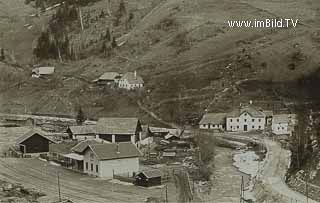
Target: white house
[(213, 121), (246, 119), (108, 159), (131, 81), (42, 71), (283, 124)]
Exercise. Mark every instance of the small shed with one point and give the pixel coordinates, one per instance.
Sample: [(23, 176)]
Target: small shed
[(34, 141), (148, 178)]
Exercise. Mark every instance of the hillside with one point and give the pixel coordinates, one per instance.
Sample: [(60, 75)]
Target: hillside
[(185, 52)]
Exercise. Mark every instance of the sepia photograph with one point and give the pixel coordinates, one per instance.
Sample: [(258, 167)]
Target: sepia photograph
[(159, 101)]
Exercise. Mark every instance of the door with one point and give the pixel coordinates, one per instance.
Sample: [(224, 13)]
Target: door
[(245, 128)]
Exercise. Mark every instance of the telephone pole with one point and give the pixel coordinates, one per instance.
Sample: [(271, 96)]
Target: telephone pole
[(166, 193), (59, 192)]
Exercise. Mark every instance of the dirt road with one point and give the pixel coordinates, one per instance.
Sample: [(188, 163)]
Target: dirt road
[(276, 165), (79, 188)]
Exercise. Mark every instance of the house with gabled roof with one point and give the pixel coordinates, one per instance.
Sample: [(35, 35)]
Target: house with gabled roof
[(119, 129), (148, 178), (108, 78), (131, 81), (82, 132), (246, 118), (34, 141), (109, 159), (42, 71), (283, 124), (215, 121)]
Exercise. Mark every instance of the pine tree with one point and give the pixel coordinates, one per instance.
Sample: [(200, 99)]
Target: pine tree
[(80, 117), (2, 57)]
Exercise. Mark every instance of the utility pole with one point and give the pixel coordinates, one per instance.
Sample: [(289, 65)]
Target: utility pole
[(59, 192), (166, 193), (241, 190), (307, 188)]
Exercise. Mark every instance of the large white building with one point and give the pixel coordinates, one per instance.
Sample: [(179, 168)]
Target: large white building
[(131, 81), (283, 124), (246, 119), (108, 159), (215, 121)]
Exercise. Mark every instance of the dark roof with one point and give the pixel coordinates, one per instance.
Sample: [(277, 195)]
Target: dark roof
[(32, 132), (108, 151), (117, 126), (213, 118), (248, 109), (130, 77), (62, 147), (81, 146), (83, 129), (152, 173)]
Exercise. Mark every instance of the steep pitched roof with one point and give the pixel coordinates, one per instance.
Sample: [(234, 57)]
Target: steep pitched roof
[(63, 147), (32, 132), (117, 126), (284, 118), (213, 118), (81, 146), (248, 109), (109, 76), (130, 77), (83, 129), (109, 151), (151, 173)]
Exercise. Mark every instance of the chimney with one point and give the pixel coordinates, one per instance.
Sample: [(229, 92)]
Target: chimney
[(118, 150), (135, 74), (250, 102)]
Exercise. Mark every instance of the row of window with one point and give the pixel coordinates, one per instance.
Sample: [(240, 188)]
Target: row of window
[(215, 126), (245, 120), (253, 127), (91, 167)]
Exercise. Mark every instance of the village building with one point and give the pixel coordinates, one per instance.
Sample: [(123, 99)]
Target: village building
[(108, 79), (131, 81), (283, 124), (215, 121), (20, 120), (82, 132), (109, 159), (42, 71), (148, 178), (171, 137), (244, 119), (119, 129), (34, 141), (162, 132)]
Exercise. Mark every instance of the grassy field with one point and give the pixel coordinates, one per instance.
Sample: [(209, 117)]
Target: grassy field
[(183, 49)]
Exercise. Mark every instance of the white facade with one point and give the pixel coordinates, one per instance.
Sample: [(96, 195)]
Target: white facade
[(123, 83), (245, 122), (212, 126), (106, 168), (280, 128)]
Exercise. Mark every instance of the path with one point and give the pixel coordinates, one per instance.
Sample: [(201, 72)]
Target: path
[(276, 165)]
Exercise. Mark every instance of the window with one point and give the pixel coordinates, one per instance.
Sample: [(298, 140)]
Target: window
[(91, 156), (245, 114), (278, 128), (259, 127), (259, 120), (230, 120), (253, 127), (253, 120), (237, 127), (238, 120), (87, 166), (91, 167), (245, 120), (97, 168)]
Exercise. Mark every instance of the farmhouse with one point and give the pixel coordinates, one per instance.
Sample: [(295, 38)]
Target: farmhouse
[(82, 132), (42, 71), (148, 178), (246, 119), (131, 81), (109, 79), (283, 124), (216, 121), (34, 141), (119, 129), (109, 159)]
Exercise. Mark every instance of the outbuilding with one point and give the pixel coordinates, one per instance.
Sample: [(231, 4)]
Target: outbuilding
[(34, 141), (148, 178)]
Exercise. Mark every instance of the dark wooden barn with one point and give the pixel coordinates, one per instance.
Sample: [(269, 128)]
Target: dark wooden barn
[(148, 178), (34, 141)]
